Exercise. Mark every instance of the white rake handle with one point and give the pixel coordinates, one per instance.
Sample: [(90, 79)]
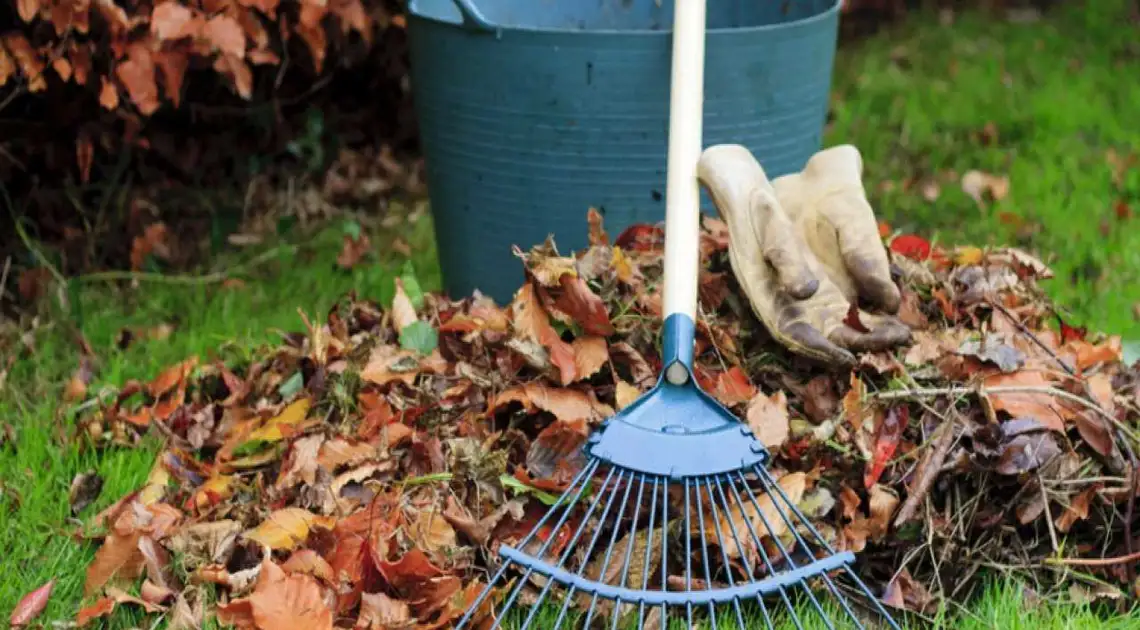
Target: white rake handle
[(682, 190)]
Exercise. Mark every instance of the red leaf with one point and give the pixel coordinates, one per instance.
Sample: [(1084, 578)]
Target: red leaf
[(1069, 333), (31, 605), (641, 237), (852, 320), (581, 303), (101, 608), (1123, 211), (911, 246), (890, 431)]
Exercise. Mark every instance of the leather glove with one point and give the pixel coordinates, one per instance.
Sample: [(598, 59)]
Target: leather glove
[(803, 269)]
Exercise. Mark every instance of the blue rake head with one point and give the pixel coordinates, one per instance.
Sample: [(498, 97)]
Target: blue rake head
[(675, 517)]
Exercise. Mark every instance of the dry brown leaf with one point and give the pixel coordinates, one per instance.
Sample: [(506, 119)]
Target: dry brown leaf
[(238, 72), (565, 403), (432, 533), (531, 322), (768, 418), (288, 601), (765, 522), (172, 65), (403, 312), (28, 9), (108, 94), (1045, 408), (99, 608), (314, 38), (7, 66), (590, 354), (1077, 510), (309, 562)]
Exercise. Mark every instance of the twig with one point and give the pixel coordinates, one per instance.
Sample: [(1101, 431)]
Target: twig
[(210, 278), (933, 392), (4, 275), (927, 473), (1048, 514), (1095, 562)]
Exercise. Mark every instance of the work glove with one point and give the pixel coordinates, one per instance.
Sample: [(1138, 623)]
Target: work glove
[(804, 248)]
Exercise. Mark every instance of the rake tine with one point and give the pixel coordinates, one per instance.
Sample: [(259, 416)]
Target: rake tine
[(542, 551), (629, 547), (795, 532), (664, 549), (583, 475), (704, 547), (764, 553), (688, 553), (745, 563), (648, 553), (609, 551), (720, 543), (589, 550), (783, 550)]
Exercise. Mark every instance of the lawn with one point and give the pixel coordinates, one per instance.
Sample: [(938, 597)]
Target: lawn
[(1041, 103)]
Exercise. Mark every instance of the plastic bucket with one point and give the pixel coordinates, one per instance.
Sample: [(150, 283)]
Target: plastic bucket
[(532, 111)]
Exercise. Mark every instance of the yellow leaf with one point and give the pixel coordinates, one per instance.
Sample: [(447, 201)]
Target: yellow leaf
[(287, 528), (216, 489), (968, 256), (155, 487), (626, 394), (278, 426)]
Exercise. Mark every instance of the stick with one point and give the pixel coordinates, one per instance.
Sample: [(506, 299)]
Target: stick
[(927, 473), (1094, 562), (933, 392), (210, 278)]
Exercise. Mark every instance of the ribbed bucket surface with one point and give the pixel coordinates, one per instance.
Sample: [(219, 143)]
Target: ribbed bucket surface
[(532, 111)]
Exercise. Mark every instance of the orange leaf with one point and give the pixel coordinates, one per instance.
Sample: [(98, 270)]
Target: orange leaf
[(590, 354), (531, 322), (108, 94), (268, 7), (564, 403), (733, 387), (314, 38), (598, 234), (62, 67), (31, 605), (172, 65), (27, 60), (172, 21), (238, 73), (288, 601), (101, 608), (171, 377), (28, 9), (119, 557), (7, 66), (308, 562), (137, 75), (226, 36), (1045, 408)]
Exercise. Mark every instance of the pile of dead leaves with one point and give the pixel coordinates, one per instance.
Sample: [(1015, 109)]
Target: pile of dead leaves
[(363, 473)]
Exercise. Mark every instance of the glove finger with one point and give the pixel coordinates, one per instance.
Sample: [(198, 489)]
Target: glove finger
[(866, 261), (781, 247), (884, 333), (806, 340)]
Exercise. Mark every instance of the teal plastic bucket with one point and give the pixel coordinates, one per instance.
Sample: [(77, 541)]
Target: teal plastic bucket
[(532, 111)]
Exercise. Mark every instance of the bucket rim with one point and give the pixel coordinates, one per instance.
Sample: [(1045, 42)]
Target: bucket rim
[(500, 30)]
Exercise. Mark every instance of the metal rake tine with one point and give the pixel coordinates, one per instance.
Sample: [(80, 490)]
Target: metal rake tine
[(609, 551), (542, 550), (688, 553), (770, 482), (740, 546), (648, 554), (665, 549), (582, 476), (704, 547), (629, 547), (764, 552), (720, 543), (784, 550), (589, 550)]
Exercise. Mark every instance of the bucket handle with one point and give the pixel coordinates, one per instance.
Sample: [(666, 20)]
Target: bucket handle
[(472, 16)]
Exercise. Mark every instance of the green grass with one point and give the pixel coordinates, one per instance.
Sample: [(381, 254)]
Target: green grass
[(1059, 92), (896, 99)]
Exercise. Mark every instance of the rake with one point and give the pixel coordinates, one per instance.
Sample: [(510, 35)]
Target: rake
[(675, 515)]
